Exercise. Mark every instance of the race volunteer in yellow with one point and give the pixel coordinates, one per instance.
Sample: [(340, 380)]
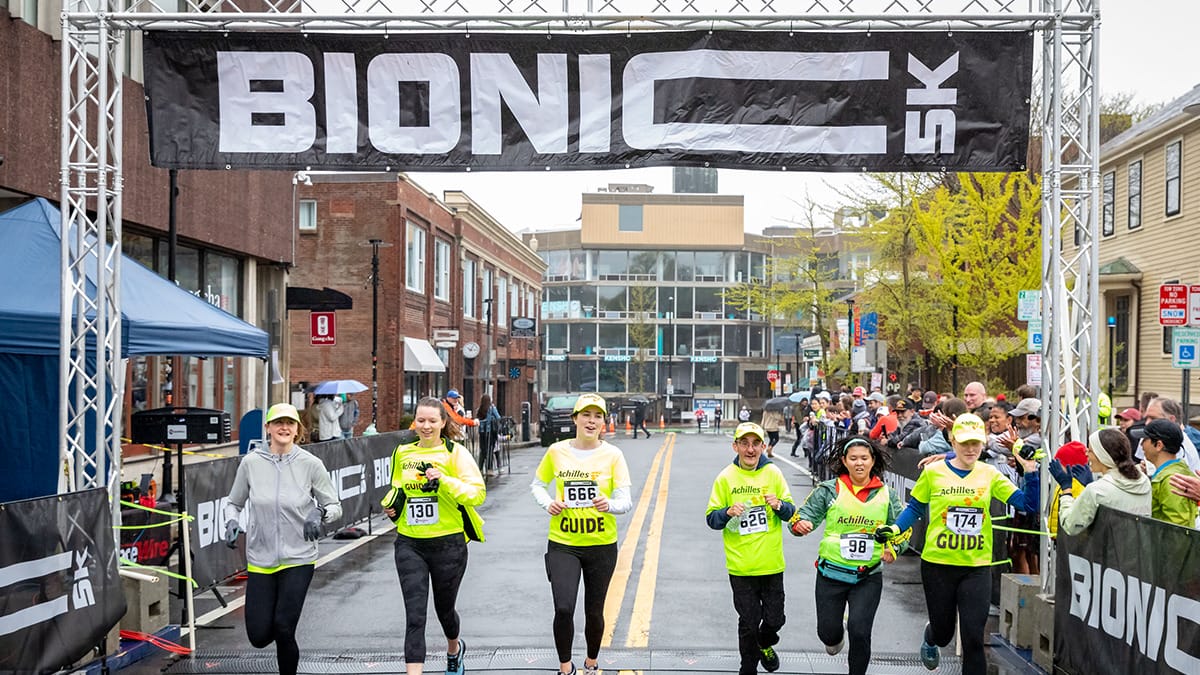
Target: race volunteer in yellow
[(591, 486), (749, 503), (435, 489), (287, 494), (853, 505), (953, 495)]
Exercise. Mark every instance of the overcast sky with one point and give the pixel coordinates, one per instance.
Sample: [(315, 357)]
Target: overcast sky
[(1147, 47)]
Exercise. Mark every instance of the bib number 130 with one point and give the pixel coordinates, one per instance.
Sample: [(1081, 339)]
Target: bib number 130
[(421, 511)]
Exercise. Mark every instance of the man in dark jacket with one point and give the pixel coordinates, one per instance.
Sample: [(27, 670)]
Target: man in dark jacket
[(639, 419)]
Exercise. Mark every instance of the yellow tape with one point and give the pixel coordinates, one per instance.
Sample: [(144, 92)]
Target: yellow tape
[(166, 449), (130, 563), (158, 511)]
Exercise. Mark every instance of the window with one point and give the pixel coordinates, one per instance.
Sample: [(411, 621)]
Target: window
[(222, 280), (612, 264), (514, 299), (1120, 337), (441, 270), (414, 253), (629, 218), (558, 263), (1108, 203), (468, 294), (501, 301), (306, 215), (1135, 194), (1174, 153), (710, 266)]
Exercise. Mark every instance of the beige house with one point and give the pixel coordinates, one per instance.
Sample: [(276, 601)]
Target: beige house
[(1149, 235)]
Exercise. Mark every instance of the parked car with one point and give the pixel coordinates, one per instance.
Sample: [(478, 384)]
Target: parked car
[(556, 422)]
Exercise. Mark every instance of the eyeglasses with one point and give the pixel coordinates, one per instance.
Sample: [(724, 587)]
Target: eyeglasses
[(749, 443)]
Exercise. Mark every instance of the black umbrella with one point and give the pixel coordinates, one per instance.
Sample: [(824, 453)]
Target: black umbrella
[(777, 404)]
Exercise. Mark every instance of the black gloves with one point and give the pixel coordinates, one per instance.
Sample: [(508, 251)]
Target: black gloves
[(1061, 476), (430, 485), (312, 524), (886, 533), (231, 533)]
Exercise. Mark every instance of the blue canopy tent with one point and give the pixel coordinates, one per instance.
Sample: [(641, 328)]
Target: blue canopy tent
[(157, 318)]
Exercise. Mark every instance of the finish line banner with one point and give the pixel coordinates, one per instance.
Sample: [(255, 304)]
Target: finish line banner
[(886, 101), (60, 592), (1125, 596)]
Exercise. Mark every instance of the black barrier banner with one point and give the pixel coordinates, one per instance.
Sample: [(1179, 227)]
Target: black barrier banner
[(885, 101), (1127, 595), (60, 592), (147, 546), (360, 469)]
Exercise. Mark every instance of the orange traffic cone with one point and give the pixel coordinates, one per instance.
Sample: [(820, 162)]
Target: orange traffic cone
[(612, 426), (662, 422), (628, 427)]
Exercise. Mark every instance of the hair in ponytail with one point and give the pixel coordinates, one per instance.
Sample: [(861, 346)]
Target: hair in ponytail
[(1117, 446)]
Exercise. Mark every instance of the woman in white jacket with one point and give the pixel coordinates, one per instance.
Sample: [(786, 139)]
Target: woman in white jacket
[(1121, 485)]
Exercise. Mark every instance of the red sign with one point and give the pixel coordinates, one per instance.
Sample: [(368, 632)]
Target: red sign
[(772, 375), (323, 333), (1173, 305)]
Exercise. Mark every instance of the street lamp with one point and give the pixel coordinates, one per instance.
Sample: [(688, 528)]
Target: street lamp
[(796, 377), (487, 362), (375, 245), (1112, 373)]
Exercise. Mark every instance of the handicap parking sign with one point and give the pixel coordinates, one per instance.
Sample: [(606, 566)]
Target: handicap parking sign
[(1187, 352), (1187, 347)]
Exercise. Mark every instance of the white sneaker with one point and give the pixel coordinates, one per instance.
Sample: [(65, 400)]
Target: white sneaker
[(591, 670), (834, 650)]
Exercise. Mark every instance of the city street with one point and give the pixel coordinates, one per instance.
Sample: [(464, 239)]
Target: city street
[(669, 605)]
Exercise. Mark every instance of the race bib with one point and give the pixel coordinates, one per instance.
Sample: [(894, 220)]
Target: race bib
[(964, 519), (579, 494), (421, 511), (753, 520), (857, 546)]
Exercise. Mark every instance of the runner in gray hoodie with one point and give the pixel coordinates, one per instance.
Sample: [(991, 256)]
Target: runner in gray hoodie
[(287, 493)]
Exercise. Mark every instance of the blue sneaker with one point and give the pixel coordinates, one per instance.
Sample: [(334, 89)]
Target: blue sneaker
[(930, 656), (454, 662)]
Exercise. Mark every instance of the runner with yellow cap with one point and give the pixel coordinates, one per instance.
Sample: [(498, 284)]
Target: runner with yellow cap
[(953, 495), (749, 502), (288, 494), (591, 486)]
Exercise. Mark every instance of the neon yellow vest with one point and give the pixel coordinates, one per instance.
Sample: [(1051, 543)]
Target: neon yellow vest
[(959, 528), (850, 526), (577, 481), (424, 515)]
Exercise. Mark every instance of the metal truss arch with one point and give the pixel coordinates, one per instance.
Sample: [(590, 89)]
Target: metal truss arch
[(94, 35)]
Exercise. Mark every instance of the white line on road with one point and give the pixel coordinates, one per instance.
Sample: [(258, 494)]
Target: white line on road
[(785, 460)]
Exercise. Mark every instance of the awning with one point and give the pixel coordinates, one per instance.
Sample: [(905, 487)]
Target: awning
[(420, 357)]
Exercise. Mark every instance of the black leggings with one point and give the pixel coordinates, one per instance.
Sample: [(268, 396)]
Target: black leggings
[(863, 598), (442, 560), (273, 604), (565, 565), (759, 605), (967, 592)]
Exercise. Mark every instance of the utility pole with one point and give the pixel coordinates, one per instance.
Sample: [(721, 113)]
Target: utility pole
[(375, 245)]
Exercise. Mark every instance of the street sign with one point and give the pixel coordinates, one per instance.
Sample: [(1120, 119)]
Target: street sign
[(1173, 305), (1035, 336), (1029, 305), (323, 329), (1194, 305), (812, 353), (772, 375), (1185, 348), (1033, 369)]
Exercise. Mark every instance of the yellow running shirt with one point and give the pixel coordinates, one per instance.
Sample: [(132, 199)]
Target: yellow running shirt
[(425, 515), (580, 475), (959, 530)]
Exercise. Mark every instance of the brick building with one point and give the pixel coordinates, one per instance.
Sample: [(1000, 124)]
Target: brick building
[(233, 250), (451, 279)]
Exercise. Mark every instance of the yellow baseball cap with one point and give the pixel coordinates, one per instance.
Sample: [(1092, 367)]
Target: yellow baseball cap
[(590, 400), (749, 428), (968, 427), (283, 411)]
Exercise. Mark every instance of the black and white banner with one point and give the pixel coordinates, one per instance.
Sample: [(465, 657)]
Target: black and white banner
[(1127, 598), (360, 469), (884, 101), (60, 592)]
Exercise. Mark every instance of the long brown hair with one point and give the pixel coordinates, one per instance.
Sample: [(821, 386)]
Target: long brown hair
[(452, 431)]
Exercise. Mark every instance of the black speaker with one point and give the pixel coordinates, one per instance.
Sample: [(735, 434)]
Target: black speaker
[(163, 426)]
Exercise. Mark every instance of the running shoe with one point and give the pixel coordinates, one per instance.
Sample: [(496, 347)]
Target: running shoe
[(834, 650), (769, 659), (930, 656), (591, 670), (454, 662)]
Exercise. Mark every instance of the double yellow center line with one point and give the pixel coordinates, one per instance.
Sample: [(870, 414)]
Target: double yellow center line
[(643, 603)]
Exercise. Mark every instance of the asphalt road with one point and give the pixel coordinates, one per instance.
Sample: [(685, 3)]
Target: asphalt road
[(669, 606)]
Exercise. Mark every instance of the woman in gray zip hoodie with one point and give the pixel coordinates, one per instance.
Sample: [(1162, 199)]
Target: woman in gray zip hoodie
[(287, 493)]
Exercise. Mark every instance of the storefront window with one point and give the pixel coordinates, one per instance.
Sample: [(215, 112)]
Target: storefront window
[(708, 378), (139, 248), (222, 281)]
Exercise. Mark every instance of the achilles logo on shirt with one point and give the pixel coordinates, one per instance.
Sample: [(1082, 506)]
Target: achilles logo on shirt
[(747, 490), (565, 474), (857, 520), (961, 491)]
